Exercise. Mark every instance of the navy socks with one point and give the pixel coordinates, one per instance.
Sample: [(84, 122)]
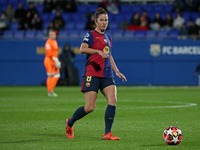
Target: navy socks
[(109, 118), (78, 114)]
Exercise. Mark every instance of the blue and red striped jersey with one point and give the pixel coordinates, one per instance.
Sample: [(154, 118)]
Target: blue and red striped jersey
[(95, 64)]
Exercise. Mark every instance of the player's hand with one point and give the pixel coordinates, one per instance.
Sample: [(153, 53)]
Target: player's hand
[(120, 75), (103, 54), (57, 62)]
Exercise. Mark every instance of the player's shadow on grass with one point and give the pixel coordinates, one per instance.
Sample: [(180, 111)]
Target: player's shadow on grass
[(22, 141), (52, 135), (159, 145)]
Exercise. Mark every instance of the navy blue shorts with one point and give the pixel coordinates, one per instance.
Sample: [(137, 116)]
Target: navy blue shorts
[(90, 83)]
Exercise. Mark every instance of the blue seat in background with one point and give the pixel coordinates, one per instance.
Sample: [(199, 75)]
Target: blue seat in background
[(136, 8), (92, 8), (148, 7), (74, 34), (14, 25), (163, 15), (119, 17), (82, 8), (113, 25), (19, 34), (129, 34), (63, 34), (140, 34), (162, 34), (45, 25), (70, 26), (151, 34), (66, 17), (80, 26), (186, 16), (158, 8), (8, 34), (168, 8), (44, 16), (173, 34), (30, 34), (128, 17), (39, 34), (39, 8), (76, 16), (126, 8), (52, 16), (118, 34), (194, 16)]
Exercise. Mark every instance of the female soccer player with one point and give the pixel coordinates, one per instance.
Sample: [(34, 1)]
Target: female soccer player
[(51, 63), (98, 74)]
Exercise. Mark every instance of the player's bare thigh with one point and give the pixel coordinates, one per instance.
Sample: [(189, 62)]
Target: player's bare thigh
[(110, 92), (90, 97)]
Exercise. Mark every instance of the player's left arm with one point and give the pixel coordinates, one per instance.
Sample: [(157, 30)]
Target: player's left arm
[(116, 70)]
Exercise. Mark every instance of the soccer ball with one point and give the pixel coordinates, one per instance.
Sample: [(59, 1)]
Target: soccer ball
[(172, 135)]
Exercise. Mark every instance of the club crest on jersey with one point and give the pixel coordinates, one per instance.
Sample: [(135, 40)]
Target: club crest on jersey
[(105, 40), (88, 84), (106, 49)]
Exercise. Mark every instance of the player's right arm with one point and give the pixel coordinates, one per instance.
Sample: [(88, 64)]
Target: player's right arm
[(87, 44), (84, 49)]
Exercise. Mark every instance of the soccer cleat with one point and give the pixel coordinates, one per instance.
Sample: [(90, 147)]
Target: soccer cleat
[(109, 136), (69, 131), (52, 94)]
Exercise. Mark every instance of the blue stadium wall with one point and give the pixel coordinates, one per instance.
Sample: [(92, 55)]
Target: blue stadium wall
[(142, 62)]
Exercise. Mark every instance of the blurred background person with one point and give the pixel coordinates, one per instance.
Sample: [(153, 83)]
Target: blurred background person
[(157, 22), (192, 29), (113, 7), (197, 70), (168, 22), (58, 20), (135, 19), (32, 10), (178, 6), (20, 12), (183, 32), (10, 12), (36, 22), (48, 6), (178, 21), (4, 21), (90, 24), (69, 73), (70, 6)]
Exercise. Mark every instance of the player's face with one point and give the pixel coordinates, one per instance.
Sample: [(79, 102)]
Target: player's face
[(52, 35), (102, 22)]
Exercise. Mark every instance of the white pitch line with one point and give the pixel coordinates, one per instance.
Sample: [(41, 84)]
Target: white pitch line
[(183, 105)]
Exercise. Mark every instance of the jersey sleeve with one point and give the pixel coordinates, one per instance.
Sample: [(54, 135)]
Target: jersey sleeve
[(89, 39)]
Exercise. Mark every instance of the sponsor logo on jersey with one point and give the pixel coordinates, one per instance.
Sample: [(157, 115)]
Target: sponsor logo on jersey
[(106, 49)]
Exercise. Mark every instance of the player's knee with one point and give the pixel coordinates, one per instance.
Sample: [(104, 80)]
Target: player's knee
[(113, 101), (89, 109)]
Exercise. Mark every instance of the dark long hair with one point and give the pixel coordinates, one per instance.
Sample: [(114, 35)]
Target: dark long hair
[(100, 11)]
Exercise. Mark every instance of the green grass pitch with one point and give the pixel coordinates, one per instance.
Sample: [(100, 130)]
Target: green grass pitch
[(29, 120)]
